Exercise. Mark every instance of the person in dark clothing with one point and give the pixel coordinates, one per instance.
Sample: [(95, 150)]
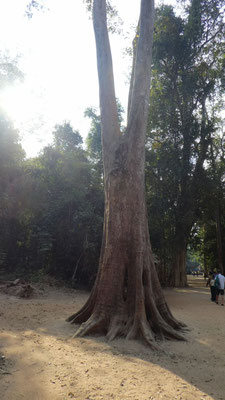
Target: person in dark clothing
[(211, 283)]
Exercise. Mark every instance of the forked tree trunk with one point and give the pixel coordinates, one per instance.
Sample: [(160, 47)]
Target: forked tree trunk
[(127, 299)]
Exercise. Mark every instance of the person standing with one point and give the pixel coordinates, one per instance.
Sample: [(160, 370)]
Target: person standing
[(211, 283), (220, 289)]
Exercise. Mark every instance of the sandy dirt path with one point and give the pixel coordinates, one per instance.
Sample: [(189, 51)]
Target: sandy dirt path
[(40, 361)]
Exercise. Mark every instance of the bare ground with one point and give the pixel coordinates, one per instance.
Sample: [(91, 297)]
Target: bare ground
[(39, 359)]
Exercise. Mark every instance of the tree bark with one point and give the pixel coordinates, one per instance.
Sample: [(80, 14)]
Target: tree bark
[(127, 299), (219, 235), (179, 266)]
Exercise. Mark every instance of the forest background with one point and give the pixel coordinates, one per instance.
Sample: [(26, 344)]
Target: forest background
[(52, 205)]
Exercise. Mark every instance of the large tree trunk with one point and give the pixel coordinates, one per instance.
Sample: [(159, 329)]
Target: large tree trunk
[(127, 299)]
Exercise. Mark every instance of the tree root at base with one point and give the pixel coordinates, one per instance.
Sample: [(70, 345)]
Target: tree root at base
[(117, 326)]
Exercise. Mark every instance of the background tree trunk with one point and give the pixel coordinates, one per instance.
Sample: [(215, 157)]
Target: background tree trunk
[(179, 266), (219, 235)]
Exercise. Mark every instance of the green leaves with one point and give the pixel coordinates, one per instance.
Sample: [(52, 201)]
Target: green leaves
[(66, 139), (49, 207), (185, 99)]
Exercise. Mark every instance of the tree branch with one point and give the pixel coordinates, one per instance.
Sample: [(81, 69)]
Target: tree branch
[(109, 115), (139, 97)]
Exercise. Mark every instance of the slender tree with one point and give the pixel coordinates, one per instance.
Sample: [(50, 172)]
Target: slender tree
[(127, 299)]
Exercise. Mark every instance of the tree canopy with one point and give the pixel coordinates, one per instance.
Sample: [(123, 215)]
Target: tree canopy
[(187, 85)]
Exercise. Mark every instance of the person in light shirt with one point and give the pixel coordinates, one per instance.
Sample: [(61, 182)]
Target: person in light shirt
[(220, 290)]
